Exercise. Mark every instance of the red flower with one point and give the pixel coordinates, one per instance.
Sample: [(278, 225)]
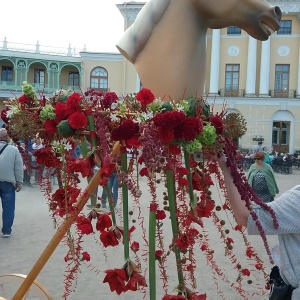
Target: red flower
[(126, 130), (144, 172), (135, 247), (107, 169), (217, 122), (135, 281), (160, 214), (188, 129), (238, 227), (246, 272), (84, 225), (196, 296), (24, 99), (230, 240), (171, 297), (103, 182), (166, 135), (182, 171), (73, 102), (249, 252), (108, 238), (78, 120), (203, 247), (184, 241), (116, 279), (133, 142), (175, 150), (50, 126), (61, 111), (103, 222), (204, 210), (145, 96), (258, 266), (192, 217), (64, 199), (183, 181), (86, 256), (158, 254), (109, 99), (4, 115), (47, 157), (169, 119), (81, 165)]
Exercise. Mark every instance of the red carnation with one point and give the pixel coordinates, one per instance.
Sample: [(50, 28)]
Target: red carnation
[(81, 165), (172, 297), (109, 99), (103, 222), (189, 129), (182, 171), (217, 122), (126, 130), (24, 99), (73, 102), (145, 97), (116, 279), (166, 135), (169, 119), (175, 150), (50, 126), (144, 172), (205, 210), (78, 120), (108, 238), (61, 111), (183, 181), (184, 241)]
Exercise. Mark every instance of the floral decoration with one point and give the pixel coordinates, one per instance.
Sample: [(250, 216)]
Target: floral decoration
[(163, 138)]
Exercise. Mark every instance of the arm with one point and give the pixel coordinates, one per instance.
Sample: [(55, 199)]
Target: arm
[(240, 211)]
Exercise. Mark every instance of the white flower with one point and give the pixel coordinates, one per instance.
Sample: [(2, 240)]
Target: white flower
[(180, 107), (114, 117), (114, 105), (13, 110), (68, 146)]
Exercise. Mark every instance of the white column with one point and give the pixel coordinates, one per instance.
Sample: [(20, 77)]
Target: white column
[(264, 69), (251, 68), (298, 83), (214, 63)]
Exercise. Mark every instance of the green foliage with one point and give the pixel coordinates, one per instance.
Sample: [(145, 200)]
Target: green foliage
[(28, 90), (203, 107), (166, 106)]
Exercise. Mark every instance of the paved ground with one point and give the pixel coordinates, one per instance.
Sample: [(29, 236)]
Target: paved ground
[(33, 230)]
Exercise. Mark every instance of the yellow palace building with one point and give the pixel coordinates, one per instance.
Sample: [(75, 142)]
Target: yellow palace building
[(260, 80)]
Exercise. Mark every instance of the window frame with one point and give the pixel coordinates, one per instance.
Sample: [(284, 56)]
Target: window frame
[(39, 76), (232, 77), (280, 77), (72, 78), (8, 75), (99, 79), (285, 27), (233, 30)]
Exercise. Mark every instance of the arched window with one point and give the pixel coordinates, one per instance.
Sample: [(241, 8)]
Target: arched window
[(99, 79)]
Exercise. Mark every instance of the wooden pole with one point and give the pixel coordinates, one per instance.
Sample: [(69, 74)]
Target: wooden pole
[(57, 237)]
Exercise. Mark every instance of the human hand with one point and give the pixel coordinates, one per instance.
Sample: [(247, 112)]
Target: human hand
[(18, 186)]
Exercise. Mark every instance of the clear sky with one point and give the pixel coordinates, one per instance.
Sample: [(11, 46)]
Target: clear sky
[(98, 24)]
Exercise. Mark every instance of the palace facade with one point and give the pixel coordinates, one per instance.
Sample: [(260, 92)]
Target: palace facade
[(260, 80)]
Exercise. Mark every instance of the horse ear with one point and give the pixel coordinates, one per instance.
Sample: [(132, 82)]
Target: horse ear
[(137, 35)]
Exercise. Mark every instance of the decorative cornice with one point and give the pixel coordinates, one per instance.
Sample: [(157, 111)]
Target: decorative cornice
[(288, 6), (130, 10)]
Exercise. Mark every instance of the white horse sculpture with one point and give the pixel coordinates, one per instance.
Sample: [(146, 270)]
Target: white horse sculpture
[(167, 42)]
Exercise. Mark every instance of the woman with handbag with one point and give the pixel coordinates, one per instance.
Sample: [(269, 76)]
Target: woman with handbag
[(285, 281)]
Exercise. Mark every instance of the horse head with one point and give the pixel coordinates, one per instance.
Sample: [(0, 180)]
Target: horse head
[(167, 41)]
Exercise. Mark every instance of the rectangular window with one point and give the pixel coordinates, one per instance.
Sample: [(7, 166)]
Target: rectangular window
[(7, 73), (285, 27), (73, 79), (231, 30), (275, 136), (39, 76), (232, 77), (282, 76)]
